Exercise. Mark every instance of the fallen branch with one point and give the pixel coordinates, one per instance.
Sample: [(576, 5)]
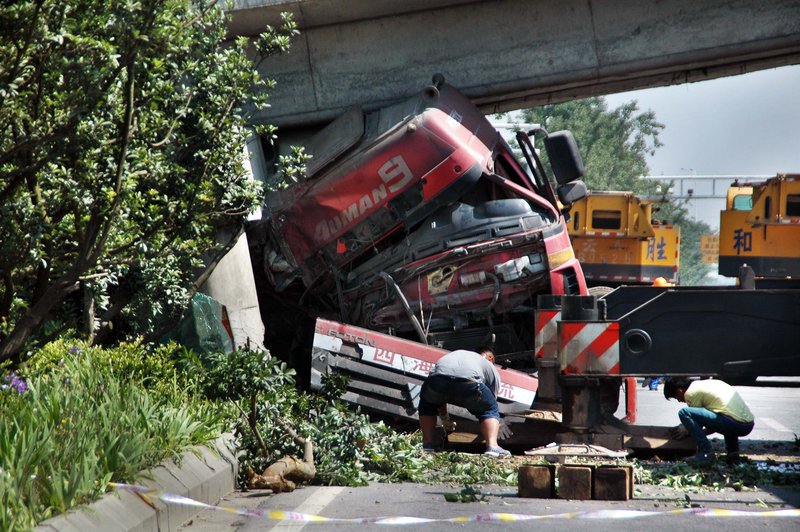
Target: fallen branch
[(254, 428), (284, 474)]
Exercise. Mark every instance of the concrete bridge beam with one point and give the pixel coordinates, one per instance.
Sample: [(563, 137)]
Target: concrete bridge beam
[(510, 54)]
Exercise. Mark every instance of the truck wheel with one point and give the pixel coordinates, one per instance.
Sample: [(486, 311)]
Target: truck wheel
[(600, 291)]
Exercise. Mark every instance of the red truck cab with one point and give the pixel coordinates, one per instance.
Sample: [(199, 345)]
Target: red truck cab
[(418, 220)]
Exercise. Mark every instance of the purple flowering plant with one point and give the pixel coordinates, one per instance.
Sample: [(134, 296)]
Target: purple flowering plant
[(14, 382)]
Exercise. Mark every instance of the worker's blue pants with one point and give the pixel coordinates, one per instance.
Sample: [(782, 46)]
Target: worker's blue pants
[(475, 396), (696, 420)]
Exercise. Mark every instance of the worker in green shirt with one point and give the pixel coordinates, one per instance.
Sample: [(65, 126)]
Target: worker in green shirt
[(711, 406)]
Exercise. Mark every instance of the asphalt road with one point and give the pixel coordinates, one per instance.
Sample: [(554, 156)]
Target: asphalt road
[(774, 404)]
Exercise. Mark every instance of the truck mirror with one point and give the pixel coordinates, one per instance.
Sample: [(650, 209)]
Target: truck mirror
[(565, 159), (569, 193)]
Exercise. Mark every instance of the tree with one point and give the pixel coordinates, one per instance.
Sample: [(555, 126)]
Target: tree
[(693, 270), (122, 129), (614, 144)]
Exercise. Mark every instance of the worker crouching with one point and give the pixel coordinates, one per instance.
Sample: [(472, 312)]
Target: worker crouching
[(713, 406), (467, 379)]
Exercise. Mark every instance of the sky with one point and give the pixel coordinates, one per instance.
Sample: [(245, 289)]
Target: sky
[(747, 124)]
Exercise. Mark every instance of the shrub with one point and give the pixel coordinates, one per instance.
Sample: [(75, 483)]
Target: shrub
[(87, 419), (348, 448)]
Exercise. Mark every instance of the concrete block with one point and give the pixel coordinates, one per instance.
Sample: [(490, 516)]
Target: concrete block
[(82, 520), (221, 470), (112, 512), (536, 481), (225, 446), (118, 511), (612, 483), (193, 473), (575, 482)]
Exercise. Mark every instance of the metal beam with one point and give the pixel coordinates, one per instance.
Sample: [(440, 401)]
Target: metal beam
[(728, 332), (703, 186), (510, 54)]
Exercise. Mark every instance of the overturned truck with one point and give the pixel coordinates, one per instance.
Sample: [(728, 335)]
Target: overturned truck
[(418, 221), (416, 230)]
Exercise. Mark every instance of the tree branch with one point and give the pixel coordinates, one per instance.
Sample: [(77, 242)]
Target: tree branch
[(308, 445), (254, 428)]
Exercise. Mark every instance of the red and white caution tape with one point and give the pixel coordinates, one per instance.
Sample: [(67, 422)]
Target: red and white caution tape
[(280, 515)]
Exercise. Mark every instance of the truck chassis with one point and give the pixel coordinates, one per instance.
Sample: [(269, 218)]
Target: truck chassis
[(586, 349)]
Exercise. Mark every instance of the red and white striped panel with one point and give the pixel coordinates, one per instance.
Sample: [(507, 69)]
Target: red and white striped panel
[(546, 341), (589, 347)]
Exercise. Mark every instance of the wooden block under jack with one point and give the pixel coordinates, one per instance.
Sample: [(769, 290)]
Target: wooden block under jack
[(612, 482), (575, 482), (536, 481)]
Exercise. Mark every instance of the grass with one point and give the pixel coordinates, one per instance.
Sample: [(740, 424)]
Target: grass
[(80, 425)]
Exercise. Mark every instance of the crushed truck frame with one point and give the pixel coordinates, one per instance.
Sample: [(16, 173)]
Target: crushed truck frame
[(417, 231), (419, 221)]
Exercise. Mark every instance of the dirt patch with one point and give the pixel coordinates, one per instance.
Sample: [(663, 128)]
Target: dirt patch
[(777, 451)]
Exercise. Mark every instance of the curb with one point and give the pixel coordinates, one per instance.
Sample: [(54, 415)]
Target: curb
[(204, 474)]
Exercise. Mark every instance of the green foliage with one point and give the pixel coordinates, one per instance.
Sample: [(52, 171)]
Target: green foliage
[(348, 448), (466, 469), (121, 156), (613, 143), (692, 270), (240, 374), (85, 420), (292, 167), (153, 366), (468, 494), (711, 477)]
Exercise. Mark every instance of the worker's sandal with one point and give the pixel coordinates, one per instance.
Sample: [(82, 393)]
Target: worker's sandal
[(496, 452), (428, 448)]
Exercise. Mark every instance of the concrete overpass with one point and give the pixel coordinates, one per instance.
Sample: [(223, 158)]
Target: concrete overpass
[(510, 54), (504, 54)]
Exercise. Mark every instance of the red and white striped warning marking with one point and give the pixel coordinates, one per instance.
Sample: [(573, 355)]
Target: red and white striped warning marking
[(546, 341), (589, 347)]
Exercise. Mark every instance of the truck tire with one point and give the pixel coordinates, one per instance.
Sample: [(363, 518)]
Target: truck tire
[(600, 291)]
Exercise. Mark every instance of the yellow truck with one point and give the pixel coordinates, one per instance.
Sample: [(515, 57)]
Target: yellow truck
[(760, 227), (617, 241)]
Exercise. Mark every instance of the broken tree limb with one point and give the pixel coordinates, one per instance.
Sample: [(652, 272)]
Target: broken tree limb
[(284, 474), (308, 446), (254, 428)]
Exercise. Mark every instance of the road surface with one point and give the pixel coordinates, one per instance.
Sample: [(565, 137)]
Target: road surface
[(775, 404)]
